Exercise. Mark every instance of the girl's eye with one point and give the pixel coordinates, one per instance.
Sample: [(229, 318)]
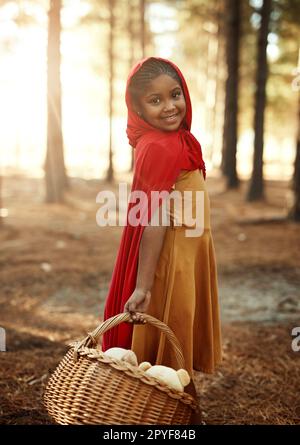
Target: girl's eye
[(176, 94)]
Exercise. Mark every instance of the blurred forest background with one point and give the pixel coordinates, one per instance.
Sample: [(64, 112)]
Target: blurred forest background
[(63, 71)]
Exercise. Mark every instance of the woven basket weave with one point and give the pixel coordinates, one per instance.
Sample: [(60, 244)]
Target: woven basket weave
[(88, 387)]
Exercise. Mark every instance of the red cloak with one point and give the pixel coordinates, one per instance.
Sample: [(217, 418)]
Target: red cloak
[(159, 157)]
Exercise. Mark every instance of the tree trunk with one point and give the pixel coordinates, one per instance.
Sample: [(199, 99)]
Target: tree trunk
[(110, 171), (131, 34), (256, 190), (210, 90), (55, 174), (215, 119), (231, 101), (142, 27), (1, 222), (294, 213), (142, 35)]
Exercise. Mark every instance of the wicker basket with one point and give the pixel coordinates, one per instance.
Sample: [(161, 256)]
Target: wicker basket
[(88, 387)]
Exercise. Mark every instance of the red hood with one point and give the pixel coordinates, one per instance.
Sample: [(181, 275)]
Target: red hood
[(136, 126)]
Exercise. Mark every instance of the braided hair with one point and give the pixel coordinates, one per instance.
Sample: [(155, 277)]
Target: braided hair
[(151, 69)]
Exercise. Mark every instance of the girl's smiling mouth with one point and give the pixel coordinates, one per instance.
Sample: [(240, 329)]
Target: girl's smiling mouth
[(171, 117)]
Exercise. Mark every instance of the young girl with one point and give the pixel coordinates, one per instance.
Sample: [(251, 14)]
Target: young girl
[(159, 269)]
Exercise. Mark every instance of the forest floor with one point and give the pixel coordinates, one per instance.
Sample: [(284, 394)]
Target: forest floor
[(55, 268)]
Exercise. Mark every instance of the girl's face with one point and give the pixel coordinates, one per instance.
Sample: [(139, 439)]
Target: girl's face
[(162, 104)]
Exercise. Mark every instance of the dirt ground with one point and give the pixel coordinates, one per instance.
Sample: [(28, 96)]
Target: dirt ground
[(55, 268)]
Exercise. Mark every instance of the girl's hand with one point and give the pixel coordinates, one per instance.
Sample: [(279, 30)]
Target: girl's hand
[(138, 302)]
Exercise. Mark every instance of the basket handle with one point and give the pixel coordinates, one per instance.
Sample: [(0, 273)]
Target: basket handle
[(93, 337)]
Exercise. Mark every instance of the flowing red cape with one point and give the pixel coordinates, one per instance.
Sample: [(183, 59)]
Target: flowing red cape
[(159, 158)]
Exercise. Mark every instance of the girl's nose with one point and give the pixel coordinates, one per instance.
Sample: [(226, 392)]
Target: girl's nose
[(169, 106)]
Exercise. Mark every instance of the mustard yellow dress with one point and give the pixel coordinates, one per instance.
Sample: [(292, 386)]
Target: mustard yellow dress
[(185, 291)]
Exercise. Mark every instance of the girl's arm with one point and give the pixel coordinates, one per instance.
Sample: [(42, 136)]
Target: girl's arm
[(150, 248), (149, 251)]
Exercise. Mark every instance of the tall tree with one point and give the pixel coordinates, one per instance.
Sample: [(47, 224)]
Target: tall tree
[(219, 42), (142, 38), (233, 19), (142, 26), (111, 5), (294, 213), (131, 36), (256, 189), (0, 200), (288, 31), (55, 174)]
